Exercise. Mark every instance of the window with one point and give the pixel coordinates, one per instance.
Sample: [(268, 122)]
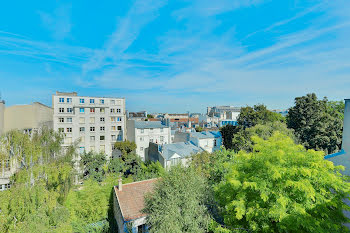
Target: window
[(82, 129), (112, 119), (92, 129), (69, 119), (82, 101), (69, 109), (141, 139), (61, 109), (161, 138), (141, 148), (69, 100), (113, 128), (102, 110), (92, 101), (92, 110), (175, 161), (102, 101), (61, 100), (92, 138), (69, 130), (119, 119), (81, 150), (81, 110), (141, 228), (151, 129), (215, 142), (102, 138), (151, 140), (61, 119), (120, 137), (113, 137), (118, 110), (61, 130), (102, 119), (142, 130), (81, 120), (102, 128), (112, 110), (119, 127), (161, 130), (92, 120), (7, 186), (113, 102)]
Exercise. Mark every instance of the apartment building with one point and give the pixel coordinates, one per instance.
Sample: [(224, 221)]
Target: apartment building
[(144, 132), (97, 122)]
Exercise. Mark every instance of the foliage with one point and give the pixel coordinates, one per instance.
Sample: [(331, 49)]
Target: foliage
[(90, 204), (242, 140), (251, 116), (282, 187), (227, 133), (178, 203), (125, 147), (150, 116), (93, 165), (199, 129), (337, 106), (316, 125)]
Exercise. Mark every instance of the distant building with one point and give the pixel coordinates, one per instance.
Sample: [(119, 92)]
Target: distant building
[(27, 118), (171, 154), (128, 203), (98, 122), (141, 116), (219, 116), (176, 116), (144, 132)]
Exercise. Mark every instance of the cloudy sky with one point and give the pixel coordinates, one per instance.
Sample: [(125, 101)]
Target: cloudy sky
[(175, 56)]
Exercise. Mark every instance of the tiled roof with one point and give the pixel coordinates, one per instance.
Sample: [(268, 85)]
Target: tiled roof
[(184, 149), (131, 198), (149, 124)]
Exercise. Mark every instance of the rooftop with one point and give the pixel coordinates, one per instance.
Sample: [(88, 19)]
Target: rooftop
[(149, 124), (131, 198), (206, 134), (184, 149)]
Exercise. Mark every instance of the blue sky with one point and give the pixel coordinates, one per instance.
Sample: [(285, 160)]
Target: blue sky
[(175, 56)]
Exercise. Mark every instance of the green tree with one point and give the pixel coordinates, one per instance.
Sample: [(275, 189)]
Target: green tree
[(177, 203), (149, 116), (93, 165), (125, 147), (242, 140), (337, 106), (316, 125), (251, 116), (227, 133), (282, 187), (199, 129)]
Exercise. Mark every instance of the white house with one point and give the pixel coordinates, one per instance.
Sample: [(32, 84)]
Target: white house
[(209, 141), (171, 154), (144, 132)]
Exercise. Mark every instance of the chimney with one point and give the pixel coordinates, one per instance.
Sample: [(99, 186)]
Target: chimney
[(120, 185), (346, 127)]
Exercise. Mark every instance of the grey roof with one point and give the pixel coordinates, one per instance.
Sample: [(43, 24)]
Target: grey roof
[(206, 134), (184, 149), (340, 158), (149, 124)]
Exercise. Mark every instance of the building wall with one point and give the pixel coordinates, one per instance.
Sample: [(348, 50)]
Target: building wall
[(117, 213), (346, 127), (27, 117), (2, 116), (89, 116), (154, 155)]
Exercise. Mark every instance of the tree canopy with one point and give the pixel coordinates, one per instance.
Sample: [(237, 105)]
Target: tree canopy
[(282, 187), (316, 124)]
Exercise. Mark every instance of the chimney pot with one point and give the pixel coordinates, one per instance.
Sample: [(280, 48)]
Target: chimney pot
[(120, 185)]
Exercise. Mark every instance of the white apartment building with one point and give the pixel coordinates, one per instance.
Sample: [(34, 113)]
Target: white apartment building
[(98, 122), (144, 132)]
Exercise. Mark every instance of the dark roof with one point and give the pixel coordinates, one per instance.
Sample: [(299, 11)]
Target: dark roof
[(131, 198)]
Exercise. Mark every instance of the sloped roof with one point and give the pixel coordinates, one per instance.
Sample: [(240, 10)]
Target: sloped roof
[(149, 124), (184, 149), (206, 134), (340, 158), (131, 198)]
